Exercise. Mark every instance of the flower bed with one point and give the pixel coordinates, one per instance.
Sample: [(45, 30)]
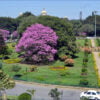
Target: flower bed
[(59, 68), (11, 61)]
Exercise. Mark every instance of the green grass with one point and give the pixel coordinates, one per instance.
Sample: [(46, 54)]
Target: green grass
[(80, 42), (45, 75), (12, 97), (97, 42)]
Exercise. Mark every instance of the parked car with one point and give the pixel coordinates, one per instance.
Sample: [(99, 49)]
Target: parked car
[(90, 95)]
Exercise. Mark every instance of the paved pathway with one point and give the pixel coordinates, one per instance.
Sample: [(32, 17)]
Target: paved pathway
[(43, 90), (96, 56)]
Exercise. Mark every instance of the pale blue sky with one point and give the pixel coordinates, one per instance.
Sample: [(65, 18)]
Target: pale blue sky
[(60, 8)]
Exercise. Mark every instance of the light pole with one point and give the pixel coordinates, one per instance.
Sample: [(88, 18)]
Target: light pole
[(95, 22)]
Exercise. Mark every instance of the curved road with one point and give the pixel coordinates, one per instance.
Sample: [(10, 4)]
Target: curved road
[(69, 93)]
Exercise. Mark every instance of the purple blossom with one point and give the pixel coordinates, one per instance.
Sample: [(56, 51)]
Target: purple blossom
[(38, 42), (15, 34), (5, 33)]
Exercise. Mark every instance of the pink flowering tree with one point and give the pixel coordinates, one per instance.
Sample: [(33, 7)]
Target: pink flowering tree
[(5, 34), (38, 43), (15, 35)]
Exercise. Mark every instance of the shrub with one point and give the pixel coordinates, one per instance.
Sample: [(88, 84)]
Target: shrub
[(84, 82), (69, 62), (1, 65), (25, 96), (84, 71), (87, 50), (33, 68), (11, 61), (16, 68), (85, 59), (63, 57), (85, 65)]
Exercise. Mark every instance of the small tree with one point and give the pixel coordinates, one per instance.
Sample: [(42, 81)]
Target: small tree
[(54, 93), (5, 83)]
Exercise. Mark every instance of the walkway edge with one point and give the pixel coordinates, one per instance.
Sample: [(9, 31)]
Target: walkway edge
[(55, 86)]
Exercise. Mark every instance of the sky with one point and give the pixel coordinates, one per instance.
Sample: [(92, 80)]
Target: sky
[(60, 8)]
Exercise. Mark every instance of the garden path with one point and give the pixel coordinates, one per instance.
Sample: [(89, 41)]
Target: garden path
[(96, 56)]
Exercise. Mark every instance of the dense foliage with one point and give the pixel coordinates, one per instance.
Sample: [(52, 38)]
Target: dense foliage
[(3, 47), (38, 43), (8, 23), (63, 28), (25, 96)]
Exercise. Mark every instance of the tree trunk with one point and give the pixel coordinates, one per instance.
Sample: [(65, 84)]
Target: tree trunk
[(4, 96)]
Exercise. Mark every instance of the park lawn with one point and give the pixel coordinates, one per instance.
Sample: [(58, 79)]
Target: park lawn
[(12, 97), (97, 42), (45, 75), (80, 42)]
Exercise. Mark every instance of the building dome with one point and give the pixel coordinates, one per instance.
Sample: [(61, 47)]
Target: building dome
[(44, 12)]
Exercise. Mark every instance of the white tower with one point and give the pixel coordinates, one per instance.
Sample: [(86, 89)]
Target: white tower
[(43, 12)]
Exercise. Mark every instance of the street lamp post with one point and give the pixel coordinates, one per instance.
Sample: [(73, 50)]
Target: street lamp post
[(95, 22)]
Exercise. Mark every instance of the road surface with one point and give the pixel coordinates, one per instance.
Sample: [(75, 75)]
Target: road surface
[(42, 91)]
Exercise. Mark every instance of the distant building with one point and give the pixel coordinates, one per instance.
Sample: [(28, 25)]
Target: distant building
[(43, 12), (20, 14)]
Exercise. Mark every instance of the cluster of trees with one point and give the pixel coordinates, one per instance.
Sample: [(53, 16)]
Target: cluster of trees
[(65, 29), (19, 23), (87, 25)]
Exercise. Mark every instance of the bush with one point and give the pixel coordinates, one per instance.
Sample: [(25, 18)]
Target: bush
[(84, 71), (11, 61), (63, 57), (85, 65), (16, 68), (24, 96), (1, 65), (85, 59), (69, 62), (87, 50), (84, 82), (33, 68)]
